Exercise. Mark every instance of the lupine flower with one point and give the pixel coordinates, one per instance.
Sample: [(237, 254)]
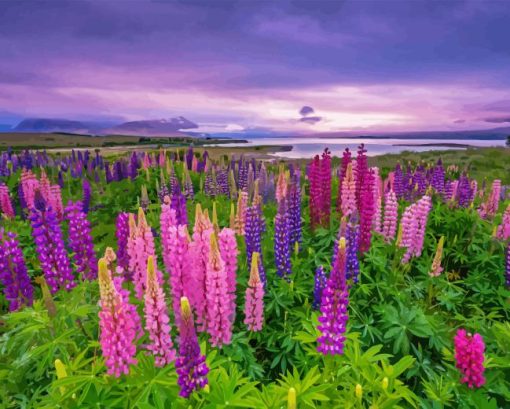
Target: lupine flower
[(156, 318), (254, 302), (334, 315), (436, 268), (87, 192), (190, 363), (50, 246), (14, 277), (199, 251), (242, 203), (118, 325), (122, 234), (55, 201), (503, 230), (319, 285), (438, 177), (377, 191), (366, 211), (508, 266), (6, 203), (282, 241), (229, 252), (252, 236), (315, 192), (352, 241), (413, 223), (390, 216), (490, 207), (219, 308), (348, 202), (464, 191), (294, 204), (398, 182), (80, 241), (469, 357), (346, 160), (281, 186)]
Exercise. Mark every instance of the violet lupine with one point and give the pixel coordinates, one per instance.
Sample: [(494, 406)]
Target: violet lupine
[(254, 298), (282, 241), (366, 211), (348, 192), (319, 285), (508, 266), (6, 203), (390, 216), (178, 203), (122, 234), (229, 252), (464, 191), (352, 237), (18, 290), (469, 357), (190, 363), (219, 308), (315, 192), (436, 269), (438, 177), (335, 299), (118, 325), (398, 182), (80, 241), (252, 236), (50, 247), (157, 322), (87, 192)]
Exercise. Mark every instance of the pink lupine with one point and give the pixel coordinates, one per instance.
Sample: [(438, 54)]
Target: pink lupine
[(45, 186), (422, 212), (118, 325), (179, 265), (167, 220), (366, 211), (281, 186), (348, 202), (29, 185), (156, 318), (469, 357), (55, 201), (229, 252), (254, 304), (503, 230), (493, 202), (219, 314), (5, 202), (199, 251), (377, 189), (409, 228), (390, 216)]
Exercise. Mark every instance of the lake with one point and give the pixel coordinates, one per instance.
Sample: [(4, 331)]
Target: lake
[(304, 148)]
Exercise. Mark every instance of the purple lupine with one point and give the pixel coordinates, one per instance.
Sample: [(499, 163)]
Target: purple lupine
[(508, 266), (438, 177), (282, 241), (242, 180), (222, 182), (133, 166), (13, 273), (190, 364), (295, 212), (50, 246), (210, 186), (419, 181), (108, 173), (319, 285), (398, 181), (252, 238), (334, 315), (352, 262), (60, 179), (122, 234), (464, 191), (189, 157), (178, 203), (86, 195), (80, 241)]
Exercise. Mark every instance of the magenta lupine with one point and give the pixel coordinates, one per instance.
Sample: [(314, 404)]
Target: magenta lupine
[(18, 290), (118, 325), (5, 202), (122, 234), (334, 302), (325, 183), (157, 322), (360, 171), (229, 252), (50, 247), (315, 192), (366, 211), (390, 216), (254, 298), (469, 357), (80, 241), (190, 363), (348, 202), (219, 308)]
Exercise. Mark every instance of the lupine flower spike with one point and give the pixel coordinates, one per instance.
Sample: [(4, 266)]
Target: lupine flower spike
[(254, 304), (469, 357), (436, 268)]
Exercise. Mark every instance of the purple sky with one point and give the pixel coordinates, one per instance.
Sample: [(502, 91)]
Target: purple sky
[(380, 65)]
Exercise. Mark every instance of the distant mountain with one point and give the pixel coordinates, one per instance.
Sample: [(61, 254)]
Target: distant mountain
[(51, 125), (160, 127)]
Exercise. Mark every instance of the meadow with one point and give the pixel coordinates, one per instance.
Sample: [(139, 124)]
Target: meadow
[(194, 278)]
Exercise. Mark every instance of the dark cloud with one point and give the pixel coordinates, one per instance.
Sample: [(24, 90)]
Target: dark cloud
[(310, 119), (459, 121), (306, 110), (497, 120)]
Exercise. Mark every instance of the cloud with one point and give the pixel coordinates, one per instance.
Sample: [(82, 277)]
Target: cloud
[(498, 120), (306, 110), (310, 119), (459, 121)]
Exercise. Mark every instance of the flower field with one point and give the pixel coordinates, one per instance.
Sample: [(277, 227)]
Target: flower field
[(171, 279)]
